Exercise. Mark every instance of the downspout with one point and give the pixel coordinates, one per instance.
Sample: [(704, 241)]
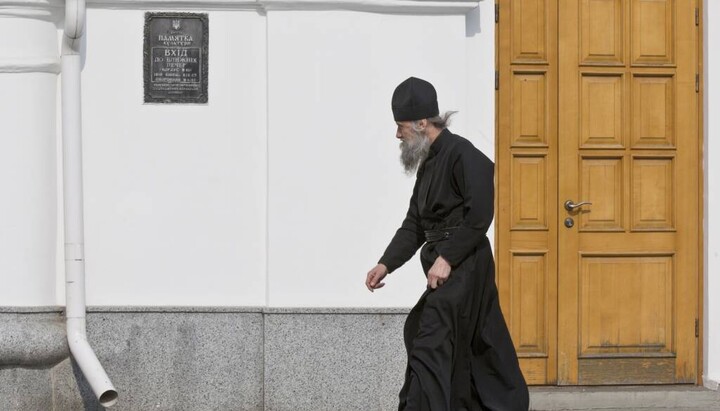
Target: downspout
[(73, 202)]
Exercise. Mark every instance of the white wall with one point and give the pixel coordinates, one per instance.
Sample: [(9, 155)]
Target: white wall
[(175, 195), (480, 54), (178, 199), (336, 189), (283, 190), (711, 76)]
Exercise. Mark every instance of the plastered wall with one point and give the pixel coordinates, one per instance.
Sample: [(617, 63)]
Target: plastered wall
[(286, 187)]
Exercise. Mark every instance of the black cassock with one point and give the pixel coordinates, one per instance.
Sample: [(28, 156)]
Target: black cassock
[(460, 354)]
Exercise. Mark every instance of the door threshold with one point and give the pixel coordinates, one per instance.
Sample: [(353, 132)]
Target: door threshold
[(609, 398)]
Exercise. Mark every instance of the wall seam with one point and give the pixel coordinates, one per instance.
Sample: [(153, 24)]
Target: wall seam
[(264, 362), (52, 388), (267, 209), (267, 160)]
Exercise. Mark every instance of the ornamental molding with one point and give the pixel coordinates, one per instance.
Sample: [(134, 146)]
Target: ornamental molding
[(30, 65), (51, 10), (174, 5), (377, 6)]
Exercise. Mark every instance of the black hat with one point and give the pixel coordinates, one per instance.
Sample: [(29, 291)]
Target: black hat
[(414, 99)]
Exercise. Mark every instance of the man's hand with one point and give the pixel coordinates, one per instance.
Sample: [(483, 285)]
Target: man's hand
[(375, 277), (439, 273)]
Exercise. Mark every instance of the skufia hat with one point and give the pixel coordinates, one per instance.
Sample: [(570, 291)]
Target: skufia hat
[(414, 99)]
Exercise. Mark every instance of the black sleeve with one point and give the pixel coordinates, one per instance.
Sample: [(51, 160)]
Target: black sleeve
[(408, 238), (474, 175)]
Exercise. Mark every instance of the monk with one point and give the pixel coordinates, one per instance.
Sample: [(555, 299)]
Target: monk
[(460, 354)]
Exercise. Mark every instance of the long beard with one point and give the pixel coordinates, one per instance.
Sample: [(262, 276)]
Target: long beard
[(414, 151)]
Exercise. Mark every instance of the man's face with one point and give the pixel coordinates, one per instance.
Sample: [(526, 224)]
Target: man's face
[(405, 131)]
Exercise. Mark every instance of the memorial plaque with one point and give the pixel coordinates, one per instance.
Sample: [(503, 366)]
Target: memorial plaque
[(175, 58)]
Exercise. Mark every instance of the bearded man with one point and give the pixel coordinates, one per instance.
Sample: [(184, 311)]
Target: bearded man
[(460, 354)]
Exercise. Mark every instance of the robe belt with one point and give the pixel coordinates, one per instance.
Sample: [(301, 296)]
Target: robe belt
[(433, 236)]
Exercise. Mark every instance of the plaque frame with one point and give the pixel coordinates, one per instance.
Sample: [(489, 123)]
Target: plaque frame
[(148, 91)]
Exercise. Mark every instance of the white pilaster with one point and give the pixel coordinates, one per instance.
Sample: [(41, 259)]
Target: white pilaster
[(29, 64), (711, 343)]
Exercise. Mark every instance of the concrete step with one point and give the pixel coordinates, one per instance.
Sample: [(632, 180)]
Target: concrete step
[(625, 398)]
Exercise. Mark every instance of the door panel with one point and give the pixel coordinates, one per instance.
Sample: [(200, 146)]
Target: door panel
[(626, 275), (602, 121), (652, 30), (532, 30), (602, 176), (602, 32), (527, 182)]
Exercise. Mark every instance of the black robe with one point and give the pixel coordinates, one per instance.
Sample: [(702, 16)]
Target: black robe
[(460, 354)]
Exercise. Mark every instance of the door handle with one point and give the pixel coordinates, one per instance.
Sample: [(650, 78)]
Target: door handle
[(570, 206)]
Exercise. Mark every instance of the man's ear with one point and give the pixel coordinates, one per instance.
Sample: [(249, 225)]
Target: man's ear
[(422, 124)]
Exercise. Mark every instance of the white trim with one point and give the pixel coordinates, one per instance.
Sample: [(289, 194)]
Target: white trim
[(711, 217), (381, 6), (35, 9), (30, 65), (169, 5)]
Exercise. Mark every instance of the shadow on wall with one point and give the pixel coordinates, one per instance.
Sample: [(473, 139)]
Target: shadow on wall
[(90, 401), (472, 22), (71, 391)]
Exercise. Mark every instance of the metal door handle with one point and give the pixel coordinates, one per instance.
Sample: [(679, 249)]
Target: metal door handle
[(570, 206)]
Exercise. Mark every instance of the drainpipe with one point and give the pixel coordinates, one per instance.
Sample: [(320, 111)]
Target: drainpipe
[(73, 201)]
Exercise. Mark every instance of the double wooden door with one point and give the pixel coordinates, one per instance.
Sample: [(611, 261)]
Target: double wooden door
[(597, 103)]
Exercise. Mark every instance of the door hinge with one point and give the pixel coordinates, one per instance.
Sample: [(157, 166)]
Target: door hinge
[(697, 328), (697, 83), (497, 80), (497, 12), (697, 16)]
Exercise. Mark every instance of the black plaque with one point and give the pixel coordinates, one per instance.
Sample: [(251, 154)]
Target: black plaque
[(175, 58)]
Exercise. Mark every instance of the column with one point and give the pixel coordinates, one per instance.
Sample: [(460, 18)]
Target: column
[(29, 67)]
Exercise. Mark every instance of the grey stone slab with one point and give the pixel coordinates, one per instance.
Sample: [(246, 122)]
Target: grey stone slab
[(171, 361), (331, 362), (626, 398), (252, 358), (23, 389), (32, 339)]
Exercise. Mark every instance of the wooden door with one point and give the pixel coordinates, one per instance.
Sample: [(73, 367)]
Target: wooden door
[(628, 123), (526, 220), (597, 102)]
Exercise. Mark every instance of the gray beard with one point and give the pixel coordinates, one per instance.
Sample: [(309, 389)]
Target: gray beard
[(413, 152)]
